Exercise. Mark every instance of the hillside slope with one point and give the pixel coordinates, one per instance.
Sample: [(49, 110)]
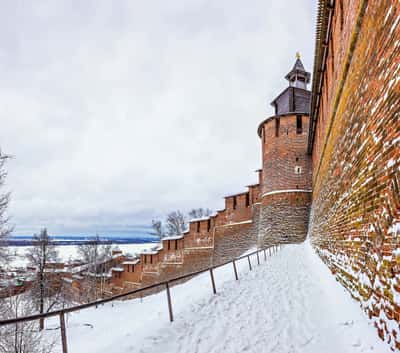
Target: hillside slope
[(290, 303)]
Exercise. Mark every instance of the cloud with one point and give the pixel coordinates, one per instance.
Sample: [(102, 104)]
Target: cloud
[(117, 112)]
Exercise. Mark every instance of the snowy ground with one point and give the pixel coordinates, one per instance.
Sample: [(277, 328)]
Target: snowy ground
[(289, 304)]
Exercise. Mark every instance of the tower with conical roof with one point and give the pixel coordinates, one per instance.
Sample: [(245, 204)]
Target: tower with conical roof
[(298, 76), (286, 166)]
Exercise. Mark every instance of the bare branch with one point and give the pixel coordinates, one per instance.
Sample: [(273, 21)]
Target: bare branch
[(5, 229), (157, 228), (176, 223), (23, 337), (200, 212)]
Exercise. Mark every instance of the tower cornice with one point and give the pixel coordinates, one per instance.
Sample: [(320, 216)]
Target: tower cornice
[(259, 129)]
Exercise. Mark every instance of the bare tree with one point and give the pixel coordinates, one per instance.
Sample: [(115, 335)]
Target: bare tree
[(176, 223), (89, 252), (106, 253), (24, 337), (157, 228), (200, 213), (45, 288), (96, 255), (5, 230)]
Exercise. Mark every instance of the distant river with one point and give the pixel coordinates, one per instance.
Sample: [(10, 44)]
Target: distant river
[(76, 239)]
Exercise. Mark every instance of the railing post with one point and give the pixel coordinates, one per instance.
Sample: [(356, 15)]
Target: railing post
[(63, 333), (258, 258), (235, 269), (212, 281), (265, 256), (248, 259), (171, 315)]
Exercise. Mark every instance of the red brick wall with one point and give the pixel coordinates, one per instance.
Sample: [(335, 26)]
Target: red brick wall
[(132, 274), (283, 153), (355, 218), (208, 242), (248, 219), (232, 239), (172, 252), (285, 198), (150, 263), (199, 236), (236, 208)]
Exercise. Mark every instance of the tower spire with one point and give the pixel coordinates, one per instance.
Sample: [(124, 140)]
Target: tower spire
[(298, 76), (296, 97)]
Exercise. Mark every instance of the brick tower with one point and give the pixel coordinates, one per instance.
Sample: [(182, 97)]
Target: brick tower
[(286, 166)]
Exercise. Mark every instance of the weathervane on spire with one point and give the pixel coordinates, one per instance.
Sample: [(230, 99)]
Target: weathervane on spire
[(298, 55)]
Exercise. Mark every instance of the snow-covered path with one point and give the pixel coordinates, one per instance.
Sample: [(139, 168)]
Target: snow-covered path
[(289, 304)]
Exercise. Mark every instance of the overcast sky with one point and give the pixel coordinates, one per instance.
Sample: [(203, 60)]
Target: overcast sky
[(120, 111)]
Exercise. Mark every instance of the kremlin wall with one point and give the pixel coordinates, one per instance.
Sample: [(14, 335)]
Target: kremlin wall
[(354, 141), (273, 211), (330, 170)]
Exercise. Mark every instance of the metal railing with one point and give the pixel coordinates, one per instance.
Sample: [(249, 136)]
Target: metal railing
[(61, 313)]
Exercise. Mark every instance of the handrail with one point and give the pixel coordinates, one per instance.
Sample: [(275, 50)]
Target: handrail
[(166, 283), (115, 297)]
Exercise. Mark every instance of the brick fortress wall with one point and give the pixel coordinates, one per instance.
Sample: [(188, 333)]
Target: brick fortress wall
[(274, 210), (353, 165), (233, 230), (209, 241), (286, 179), (355, 218)]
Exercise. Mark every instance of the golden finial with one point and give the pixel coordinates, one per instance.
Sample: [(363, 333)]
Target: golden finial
[(297, 55)]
